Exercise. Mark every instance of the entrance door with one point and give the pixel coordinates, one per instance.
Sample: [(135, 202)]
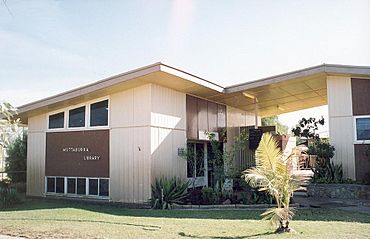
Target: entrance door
[(197, 167)]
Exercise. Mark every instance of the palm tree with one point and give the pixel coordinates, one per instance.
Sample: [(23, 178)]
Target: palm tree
[(273, 175)]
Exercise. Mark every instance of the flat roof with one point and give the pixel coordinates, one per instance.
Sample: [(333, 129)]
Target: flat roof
[(277, 94)]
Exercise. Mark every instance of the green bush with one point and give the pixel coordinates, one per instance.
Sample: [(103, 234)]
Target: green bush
[(208, 196), (323, 150), (325, 171), (16, 162), (328, 173), (168, 192), (8, 194)]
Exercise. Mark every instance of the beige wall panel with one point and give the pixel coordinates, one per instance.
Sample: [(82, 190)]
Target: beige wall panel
[(168, 108), (341, 122), (37, 123), (339, 96), (141, 163), (341, 137), (121, 155), (142, 105), (179, 141), (36, 163), (130, 164), (164, 146), (131, 108), (122, 109)]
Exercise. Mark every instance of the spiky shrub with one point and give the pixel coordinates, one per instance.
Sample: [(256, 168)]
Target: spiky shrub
[(8, 194), (273, 175), (167, 192)]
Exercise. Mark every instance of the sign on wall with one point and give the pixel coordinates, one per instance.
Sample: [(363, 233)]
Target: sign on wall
[(255, 136), (77, 153)]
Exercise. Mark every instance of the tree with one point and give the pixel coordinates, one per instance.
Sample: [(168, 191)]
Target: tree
[(274, 121), (8, 122), (308, 127), (16, 162), (273, 175)]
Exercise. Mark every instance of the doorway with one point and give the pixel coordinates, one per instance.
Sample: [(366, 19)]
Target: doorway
[(201, 163)]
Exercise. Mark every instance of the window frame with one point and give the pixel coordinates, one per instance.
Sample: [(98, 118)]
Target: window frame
[(55, 113), (87, 185), (89, 114), (66, 191), (85, 115), (46, 185), (356, 141), (87, 126)]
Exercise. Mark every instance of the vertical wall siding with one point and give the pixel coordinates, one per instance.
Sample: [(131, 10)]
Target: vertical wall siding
[(168, 132), (36, 156), (341, 122), (130, 145), (203, 115), (147, 127)]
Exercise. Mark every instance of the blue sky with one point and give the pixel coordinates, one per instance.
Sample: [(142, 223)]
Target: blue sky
[(47, 47)]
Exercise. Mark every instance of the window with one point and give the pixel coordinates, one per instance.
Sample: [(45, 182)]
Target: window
[(50, 185), (362, 124), (59, 186), (104, 187), (81, 186), (77, 117), (78, 186), (93, 186), (195, 160), (99, 113), (71, 185), (200, 160), (56, 121)]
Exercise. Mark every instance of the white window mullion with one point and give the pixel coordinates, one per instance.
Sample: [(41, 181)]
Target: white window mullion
[(46, 185), (98, 187), (87, 186), (65, 185), (87, 116)]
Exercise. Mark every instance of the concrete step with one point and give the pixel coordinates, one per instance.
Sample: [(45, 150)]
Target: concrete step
[(299, 194)]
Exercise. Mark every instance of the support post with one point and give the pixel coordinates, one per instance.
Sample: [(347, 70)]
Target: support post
[(255, 113)]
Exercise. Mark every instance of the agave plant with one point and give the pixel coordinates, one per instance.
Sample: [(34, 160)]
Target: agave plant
[(273, 175), (168, 192)]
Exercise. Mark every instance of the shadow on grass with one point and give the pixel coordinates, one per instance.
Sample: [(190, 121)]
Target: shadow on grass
[(221, 237), (314, 214), (142, 226)]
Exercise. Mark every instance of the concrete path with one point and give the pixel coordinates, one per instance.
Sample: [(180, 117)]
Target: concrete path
[(9, 237)]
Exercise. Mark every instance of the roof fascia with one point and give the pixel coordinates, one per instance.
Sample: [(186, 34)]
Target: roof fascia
[(320, 69), (90, 87)]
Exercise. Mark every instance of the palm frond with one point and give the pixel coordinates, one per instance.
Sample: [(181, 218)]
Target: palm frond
[(276, 215)]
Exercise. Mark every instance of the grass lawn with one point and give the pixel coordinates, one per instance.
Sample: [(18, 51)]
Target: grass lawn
[(60, 219)]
